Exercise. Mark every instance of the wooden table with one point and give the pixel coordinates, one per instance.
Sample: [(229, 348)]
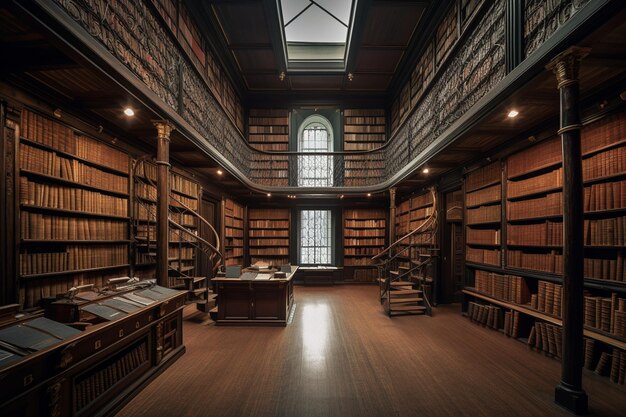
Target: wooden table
[(254, 302)]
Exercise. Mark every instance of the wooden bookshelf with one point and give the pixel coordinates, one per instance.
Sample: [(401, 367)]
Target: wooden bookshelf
[(533, 241), (363, 129), (268, 130), (233, 216), (483, 211), (268, 235), (364, 234), (74, 209)]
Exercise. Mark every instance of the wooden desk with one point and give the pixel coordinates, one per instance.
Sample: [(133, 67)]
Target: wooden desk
[(97, 371), (254, 302)]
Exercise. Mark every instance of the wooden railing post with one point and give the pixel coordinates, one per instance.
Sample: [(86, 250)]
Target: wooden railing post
[(164, 129), (392, 216), (569, 393)]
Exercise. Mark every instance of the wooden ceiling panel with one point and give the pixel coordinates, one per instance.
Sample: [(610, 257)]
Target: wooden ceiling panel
[(392, 23), (254, 60), (369, 82), (378, 60), (316, 82), (264, 82), (243, 22)]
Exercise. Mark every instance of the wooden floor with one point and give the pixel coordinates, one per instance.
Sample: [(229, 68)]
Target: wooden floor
[(341, 356)]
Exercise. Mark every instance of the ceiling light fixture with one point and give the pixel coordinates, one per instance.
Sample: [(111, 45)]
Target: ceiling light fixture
[(129, 112), (341, 196), (58, 113), (220, 172), (350, 76), (513, 113), (425, 170), (369, 194), (269, 194), (282, 76)]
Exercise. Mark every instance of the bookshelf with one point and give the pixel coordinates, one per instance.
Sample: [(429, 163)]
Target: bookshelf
[(533, 247), (268, 235), (268, 130), (363, 129), (181, 252), (364, 233), (233, 215), (74, 209), (483, 209)]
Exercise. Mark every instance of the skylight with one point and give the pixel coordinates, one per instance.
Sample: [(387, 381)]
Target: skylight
[(316, 32)]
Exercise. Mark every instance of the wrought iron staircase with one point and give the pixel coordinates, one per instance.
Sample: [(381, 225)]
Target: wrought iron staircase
[(191, 247), (405, 269)]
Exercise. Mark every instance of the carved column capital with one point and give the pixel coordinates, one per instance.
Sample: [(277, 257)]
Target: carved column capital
[(164, 128), (566, 64)]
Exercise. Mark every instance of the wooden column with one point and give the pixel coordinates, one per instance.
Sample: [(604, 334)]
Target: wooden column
[(569, 393), (392, 215), (164, 129)]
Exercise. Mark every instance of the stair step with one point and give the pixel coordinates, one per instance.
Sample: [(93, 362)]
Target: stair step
[(394, 272), (401, 284), (195, 279), (404, 292), (416, 309), (393, 300), (197, 291)]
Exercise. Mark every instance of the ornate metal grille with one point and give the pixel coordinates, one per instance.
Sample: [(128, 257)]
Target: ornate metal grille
[(314, 170), (316, 237)]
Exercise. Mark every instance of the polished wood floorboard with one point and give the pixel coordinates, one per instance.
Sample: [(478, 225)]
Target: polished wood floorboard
[(341, 356)]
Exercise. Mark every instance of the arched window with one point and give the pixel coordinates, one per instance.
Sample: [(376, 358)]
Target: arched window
[(315, 134)]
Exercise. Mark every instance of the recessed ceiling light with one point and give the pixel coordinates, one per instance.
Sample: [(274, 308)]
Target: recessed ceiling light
[(269, 194), (129, 112), (425, 170), (341, 196), (513, 113), (369, 194), (220, 172)]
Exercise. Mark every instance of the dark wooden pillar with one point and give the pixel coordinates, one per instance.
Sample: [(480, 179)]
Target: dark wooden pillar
[(164, 129), (392, 215), (569, 393), (514, 34)]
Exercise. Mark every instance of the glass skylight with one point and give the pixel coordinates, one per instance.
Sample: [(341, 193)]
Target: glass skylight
[(316, 30)]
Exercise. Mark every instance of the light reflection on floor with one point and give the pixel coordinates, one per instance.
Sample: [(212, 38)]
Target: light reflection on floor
[(315, 319)]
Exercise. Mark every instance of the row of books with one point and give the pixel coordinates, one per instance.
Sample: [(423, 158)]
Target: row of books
[(66, 198), (273, 261), (446, 35), (48, 132), (271, 147), (183, 218), (183, 185), (97, 383), (541, 155), (363, 112), (547, 338), (605, 232), (551, 262), (364, 120), (357, 261), (44, 227), (606, 313), (549, 205), (511, 324), (364, 251), (233, 222), (488, 174), (233, 209), (380, 224), (269, 224), (483, 236), (540, 183), (375, 138), (484, 314), (484, 195), (605, 196), (365, 275), (233, 252), (232, 232), (364, 232), (146, 191), (360, 146), (611, 269), (549, 298), (484, 214), (234, 241), (262, 138), (277, 129), (184, 252), (364, 242), (268, 242), (145, 213), (187, 202), (363, 166), (483, 256), (618, 367), (502, 287), (540, 234), (268, 233), (360, 128), (49, 163), (72, 258), (145, 169), (419, 214), (607, 163), (605, 132), (269, 251)]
